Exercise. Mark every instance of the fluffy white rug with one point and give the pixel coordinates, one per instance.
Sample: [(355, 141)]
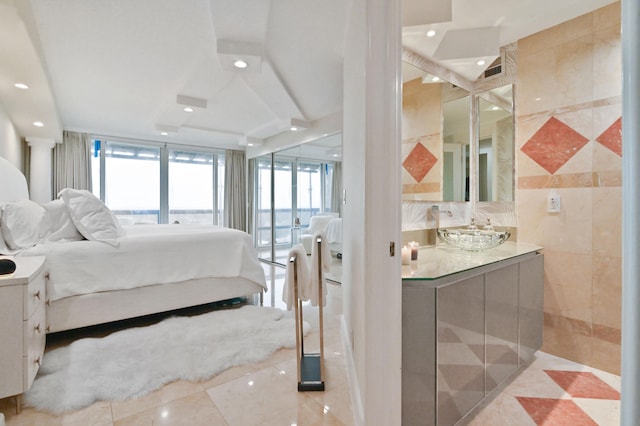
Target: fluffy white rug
[(136, 361)]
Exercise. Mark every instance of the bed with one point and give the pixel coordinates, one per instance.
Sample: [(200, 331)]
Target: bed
[(98, 273)]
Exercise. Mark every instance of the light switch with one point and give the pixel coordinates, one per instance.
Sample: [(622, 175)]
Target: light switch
[(553, 202)]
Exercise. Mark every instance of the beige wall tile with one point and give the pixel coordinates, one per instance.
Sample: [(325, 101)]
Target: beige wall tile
[(606, 356), (574, 71), (607, 222), (607, 63), (607, 291), (567, 285), (608, 16), (568, 345)]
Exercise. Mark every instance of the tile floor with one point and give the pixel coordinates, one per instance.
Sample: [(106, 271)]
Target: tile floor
[(550, 391)]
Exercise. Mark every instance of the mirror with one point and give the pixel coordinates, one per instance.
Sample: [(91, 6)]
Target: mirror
[(496, 141), (289, 186), (436, 126)]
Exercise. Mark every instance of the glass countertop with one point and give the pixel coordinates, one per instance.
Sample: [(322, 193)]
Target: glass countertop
[(439, 261)]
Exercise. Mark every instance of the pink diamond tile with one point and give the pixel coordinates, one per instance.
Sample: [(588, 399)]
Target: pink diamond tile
[(612, 137), (555, 412), (419, 161), (580, 384), (553, 145)]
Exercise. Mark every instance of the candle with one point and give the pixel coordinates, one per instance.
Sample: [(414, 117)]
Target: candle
[(406, 255), (414, 250)]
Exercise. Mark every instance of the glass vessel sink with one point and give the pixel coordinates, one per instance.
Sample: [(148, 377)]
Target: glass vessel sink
[(473, 239)]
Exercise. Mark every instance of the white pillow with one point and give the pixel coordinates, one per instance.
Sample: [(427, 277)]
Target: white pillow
[(22, 223), (93, 219), (59, 223)]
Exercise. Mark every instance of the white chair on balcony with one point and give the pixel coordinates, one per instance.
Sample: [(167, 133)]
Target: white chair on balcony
[(317, 224)]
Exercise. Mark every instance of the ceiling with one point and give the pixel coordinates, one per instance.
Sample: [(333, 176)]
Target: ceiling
[(128, 68)]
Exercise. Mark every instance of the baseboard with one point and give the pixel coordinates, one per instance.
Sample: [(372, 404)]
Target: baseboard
[(354, 389)]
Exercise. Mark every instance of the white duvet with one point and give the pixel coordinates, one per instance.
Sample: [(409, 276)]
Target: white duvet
[(146, 255)]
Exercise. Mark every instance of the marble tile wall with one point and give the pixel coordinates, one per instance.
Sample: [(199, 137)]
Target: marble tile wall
[(568, 139), (421, 141)]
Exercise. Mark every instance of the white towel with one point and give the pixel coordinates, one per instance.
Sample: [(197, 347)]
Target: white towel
[(303, 276), (312, 291)]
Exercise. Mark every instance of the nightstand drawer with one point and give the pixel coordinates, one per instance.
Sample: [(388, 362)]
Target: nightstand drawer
[(34, 296), (35, 339)]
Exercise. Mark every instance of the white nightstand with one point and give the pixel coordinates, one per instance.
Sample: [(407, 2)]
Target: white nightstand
[(22, 326)]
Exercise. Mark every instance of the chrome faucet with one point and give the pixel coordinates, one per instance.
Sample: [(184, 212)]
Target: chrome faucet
[(434, 213)]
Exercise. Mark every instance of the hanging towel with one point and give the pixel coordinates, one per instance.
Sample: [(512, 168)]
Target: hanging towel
[(303, 276), (312, 290)]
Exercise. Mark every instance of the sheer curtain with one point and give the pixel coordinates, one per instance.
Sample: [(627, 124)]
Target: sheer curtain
[(336, 188), (72, 162), (235, 190)]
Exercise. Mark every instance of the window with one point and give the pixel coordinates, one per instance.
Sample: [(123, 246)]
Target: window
[(153, 184), (191, 177)]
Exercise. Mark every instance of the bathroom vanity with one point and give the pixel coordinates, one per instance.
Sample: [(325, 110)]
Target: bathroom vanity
[(470, 320)]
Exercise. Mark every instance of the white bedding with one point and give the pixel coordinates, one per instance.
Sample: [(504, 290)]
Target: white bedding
[(146, 255)]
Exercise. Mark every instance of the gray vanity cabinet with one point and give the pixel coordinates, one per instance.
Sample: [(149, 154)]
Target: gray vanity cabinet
[(466, 333)]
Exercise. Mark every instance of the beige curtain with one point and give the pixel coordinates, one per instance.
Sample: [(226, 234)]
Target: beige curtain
[(72, 162), (235, 190), (252, 194)]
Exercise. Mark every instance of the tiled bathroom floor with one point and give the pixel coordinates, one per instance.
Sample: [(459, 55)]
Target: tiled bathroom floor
[(554, 391), (551, 391)]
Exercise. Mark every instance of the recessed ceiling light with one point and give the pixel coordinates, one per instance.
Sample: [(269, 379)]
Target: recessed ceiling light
[(480, 62), (249, 144), (434, 79), (494, 108), (188, 109), (240, 64), (21, 86), (38, 123), (164, 133), (294, 129), (537, 99), (325, 134), (431, 33)]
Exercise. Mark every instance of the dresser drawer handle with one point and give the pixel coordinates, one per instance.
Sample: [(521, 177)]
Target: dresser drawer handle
[(37, 295), (37, 328)]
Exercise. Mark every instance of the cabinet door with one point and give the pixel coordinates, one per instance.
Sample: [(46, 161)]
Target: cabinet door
[(531, 307), (418, 354), (11, 340), (502, 325), (460, 348)]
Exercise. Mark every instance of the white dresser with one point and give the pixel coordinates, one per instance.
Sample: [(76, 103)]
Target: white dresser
[(22, 325)]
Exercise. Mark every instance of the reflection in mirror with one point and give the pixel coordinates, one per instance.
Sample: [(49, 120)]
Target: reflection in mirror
[(456, 109), (290, 186), (435, 138), (495, 150)]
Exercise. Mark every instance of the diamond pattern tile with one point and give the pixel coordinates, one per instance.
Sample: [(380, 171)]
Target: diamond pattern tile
[(612, 137), (580, 384), (419, 161), (555, 412), (553, 145)]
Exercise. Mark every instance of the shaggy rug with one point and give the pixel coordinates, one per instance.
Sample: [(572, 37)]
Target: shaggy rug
[(136, 361)]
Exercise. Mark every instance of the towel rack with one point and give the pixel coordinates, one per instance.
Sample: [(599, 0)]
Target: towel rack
[(310, 366)]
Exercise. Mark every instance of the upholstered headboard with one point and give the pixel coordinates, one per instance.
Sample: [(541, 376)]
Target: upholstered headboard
[(13, 185)]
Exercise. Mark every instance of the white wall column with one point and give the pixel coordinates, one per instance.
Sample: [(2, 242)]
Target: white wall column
[(40, 169), (630, 395), (372, 283)]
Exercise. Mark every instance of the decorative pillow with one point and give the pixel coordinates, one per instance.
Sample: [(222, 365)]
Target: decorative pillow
[(22, 223), (91, 216), (4, 249), (59, 223)]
